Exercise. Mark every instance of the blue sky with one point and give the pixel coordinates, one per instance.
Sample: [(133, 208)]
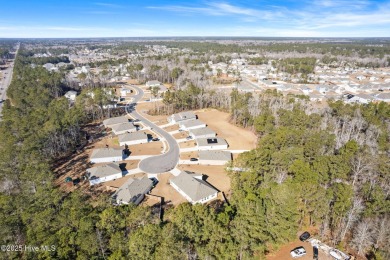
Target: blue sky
[(134, 18)]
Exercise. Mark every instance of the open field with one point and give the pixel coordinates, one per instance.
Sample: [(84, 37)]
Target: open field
[(165, 190), (237, 137), (217, 176), (143, 108), (152, 148), (187, 144)]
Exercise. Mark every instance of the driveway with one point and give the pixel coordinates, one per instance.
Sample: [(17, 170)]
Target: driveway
[(159, 163)]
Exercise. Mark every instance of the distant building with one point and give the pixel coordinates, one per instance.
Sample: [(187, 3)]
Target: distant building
[(133, 138), (133, 191), (191, 124), (71, 95), (214, 157), (214, 143), (192, 187), (360, 99), (385, 97), (153, 83), (106, 155), (104, 173), (204, 132), (123, 128), (183, 116), (108, 123)]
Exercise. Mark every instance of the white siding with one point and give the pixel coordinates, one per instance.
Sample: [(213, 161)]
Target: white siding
[(106, 178), (212, 162), (106, 159), (124, 131), (213, 147)]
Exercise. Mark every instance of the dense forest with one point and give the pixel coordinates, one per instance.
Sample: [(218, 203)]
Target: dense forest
[(325, 168)]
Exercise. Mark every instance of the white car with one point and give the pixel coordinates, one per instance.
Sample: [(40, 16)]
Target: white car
[(298, 252)]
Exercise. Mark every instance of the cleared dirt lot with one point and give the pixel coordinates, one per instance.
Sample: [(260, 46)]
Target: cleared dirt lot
[(180, 135), (217, 176), (237, 137), (284, 252), (143, 109), (187, 144), (163, 189), (188, 155), (171, 128), (152, 148)]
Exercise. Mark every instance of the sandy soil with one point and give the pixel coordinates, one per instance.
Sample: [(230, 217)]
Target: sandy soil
[(188, 155), (171, 128), (237, 137), (284, 252), (180, 135), (152, 148), (143, 109), (187, 144), (165, 190), (217, 176)]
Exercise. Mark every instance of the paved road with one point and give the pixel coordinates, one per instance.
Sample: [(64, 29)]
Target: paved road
[(6, 81), (160, 163)]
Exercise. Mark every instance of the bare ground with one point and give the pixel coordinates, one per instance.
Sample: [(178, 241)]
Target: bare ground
[(188, 155), (152, 148), (238, 138), (165, 190), (187, 144)]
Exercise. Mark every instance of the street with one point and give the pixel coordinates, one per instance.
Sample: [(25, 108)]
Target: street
[(5, 81)]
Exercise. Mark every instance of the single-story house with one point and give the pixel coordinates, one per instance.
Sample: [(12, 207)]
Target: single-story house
[(192, 187), (360, 99), (204, 132), (153, 83), (104, 173), (133, 138), (125, 91), (191, 124), (71, 95), (214, 157), (123, 128), (383, 97), (102, 155), (133, 190), (115, 121), (214, 143), (183, 116)]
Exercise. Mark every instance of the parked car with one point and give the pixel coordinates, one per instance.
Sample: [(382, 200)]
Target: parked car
[(155, 139), (298, 252), (189, 137), (305, 236), (193, 159), (315, 253), (181, 130)]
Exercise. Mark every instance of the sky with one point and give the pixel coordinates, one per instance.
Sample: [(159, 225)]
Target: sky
[(152, 18)]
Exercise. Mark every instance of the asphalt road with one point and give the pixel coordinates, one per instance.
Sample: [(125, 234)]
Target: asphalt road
[(5, 81), (159, 163)]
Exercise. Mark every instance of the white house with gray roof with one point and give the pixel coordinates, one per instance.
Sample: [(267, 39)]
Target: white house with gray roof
[(115, 121), (207, 157), (133, 190), (203, 132), (153, 83), (213, 143), (360, 99), (123, 128), (102, 155), (192, 187), (104, 173), (180, 117), (133, 138), (191, 124)]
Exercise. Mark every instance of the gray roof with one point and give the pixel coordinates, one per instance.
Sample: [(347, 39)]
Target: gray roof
[(104, 170), (133, 188), (123, 127), (202, 131), (153, 82), (192, 123), (106, 152), (184, 116), (383, 96), (132, 136), (215, 155), (195, 188), (116, 120), (210, 141)]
